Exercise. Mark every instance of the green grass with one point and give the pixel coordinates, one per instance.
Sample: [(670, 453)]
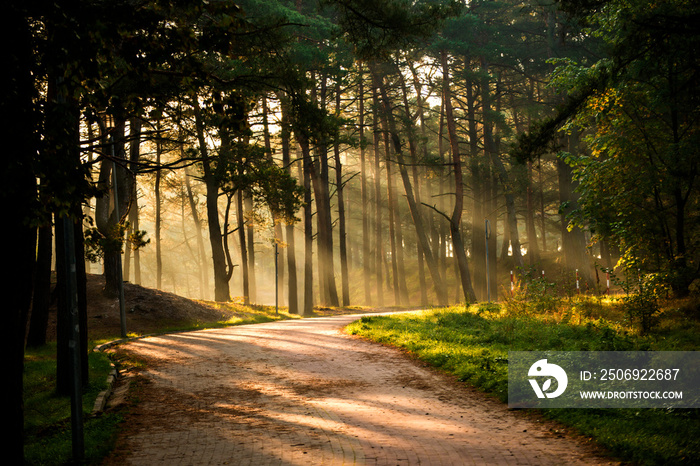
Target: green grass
[(47, 425), (473, 343)]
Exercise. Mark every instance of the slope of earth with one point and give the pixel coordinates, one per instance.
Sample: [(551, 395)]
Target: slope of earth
[(151, 311)]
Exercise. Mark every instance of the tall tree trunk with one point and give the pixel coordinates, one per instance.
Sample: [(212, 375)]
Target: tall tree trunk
[(414, 199), (378, 242), (42, 289), (364, 193), (480, 196), (203, 273), (342, 237), (159, 203), (320, 182), (134, 154), (292, 298), (250, 235), (221, 276), (18, 196), (308, 228), (413, 149), (455, 220), (245, 260), (532, 243), (491, 146), (390, 191), (543, 217), (65, 330), (107, 218), (573, 242), (277, 225), (440, 230)]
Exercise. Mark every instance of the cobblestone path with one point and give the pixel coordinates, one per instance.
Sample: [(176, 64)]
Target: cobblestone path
[(303, 393)]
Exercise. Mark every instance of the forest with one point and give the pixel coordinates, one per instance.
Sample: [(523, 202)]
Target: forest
[(347, 152)]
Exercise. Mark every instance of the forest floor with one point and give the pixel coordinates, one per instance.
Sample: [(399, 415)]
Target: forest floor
[(302, 391)]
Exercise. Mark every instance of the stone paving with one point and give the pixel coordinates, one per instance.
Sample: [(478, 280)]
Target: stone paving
[(303, 393)]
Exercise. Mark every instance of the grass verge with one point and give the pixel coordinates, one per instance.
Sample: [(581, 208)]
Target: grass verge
[(47, 425), (472, 343)]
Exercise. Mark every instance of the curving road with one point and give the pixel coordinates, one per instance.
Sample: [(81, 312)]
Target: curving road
[(303, 393)]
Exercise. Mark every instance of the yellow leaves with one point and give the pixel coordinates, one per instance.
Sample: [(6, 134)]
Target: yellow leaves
[(605, 102)]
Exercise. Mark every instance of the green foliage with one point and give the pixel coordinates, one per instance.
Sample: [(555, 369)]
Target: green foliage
[(642, 119), (376, 29), (642, 301), (97, 244), (534, 294)]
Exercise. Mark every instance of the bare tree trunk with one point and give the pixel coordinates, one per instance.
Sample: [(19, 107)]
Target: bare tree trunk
[(203, 273), (320, 182), (250, 235), (308, 228), (543, 218), (134, 153), (512, 220), (342, 238), (292, 298), (440, 231), (417, 181), (479, 212), (244, 250), (221, 276), (532, 244), (277, 226), (573, 242), (414, 203), (107, 219), (42, 289), (159, 253), (364, 194), (378, 246), (455, 220), (390, 192)]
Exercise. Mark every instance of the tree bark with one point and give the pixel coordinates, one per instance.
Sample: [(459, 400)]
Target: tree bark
[(18, 196), (342, 237), (414, 203), (107, 219), (203, 274), (250, 235), (292, 296), (42, 289), (244, 250), (479, 194), (364, 193), (377, 87), (455, 219), (159, 254), (308, 227), (276, 224), (378, 242), (221, 277)]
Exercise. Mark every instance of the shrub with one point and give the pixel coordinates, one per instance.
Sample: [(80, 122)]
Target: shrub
[(536, 296), (642, 306)]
